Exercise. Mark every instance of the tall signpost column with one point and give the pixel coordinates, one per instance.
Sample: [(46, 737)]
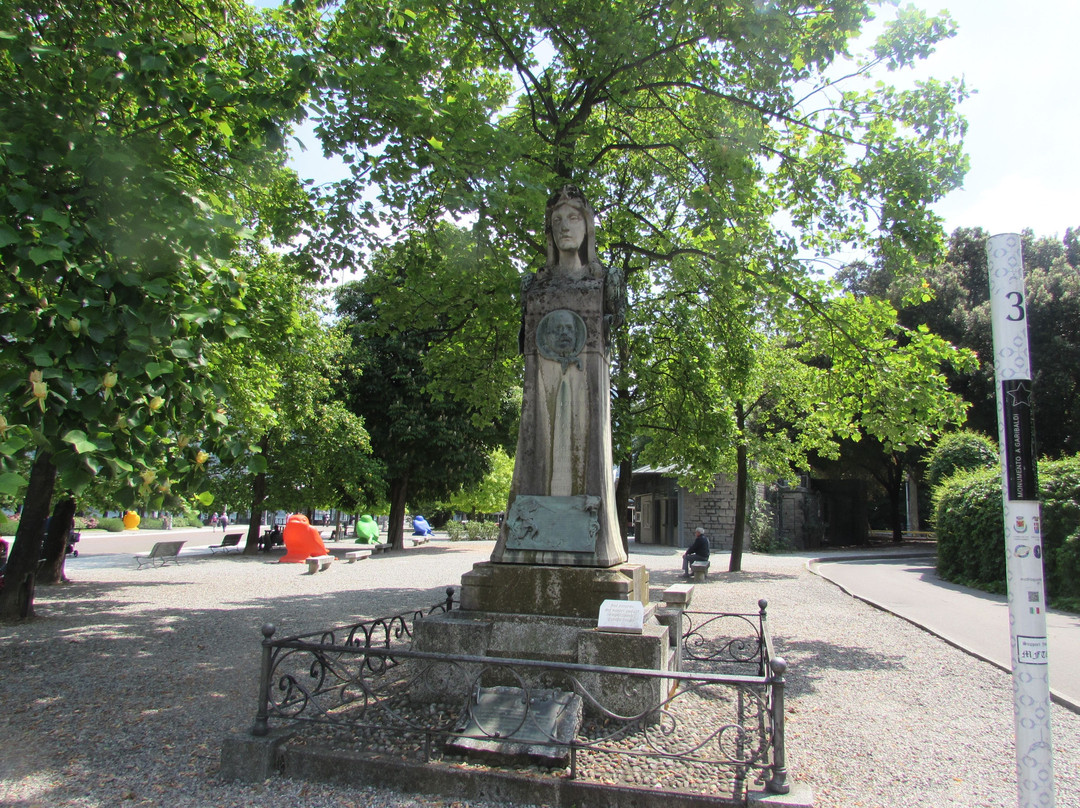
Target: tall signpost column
[(1023, 531)]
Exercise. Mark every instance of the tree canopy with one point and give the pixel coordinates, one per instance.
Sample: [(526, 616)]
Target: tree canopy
[(415, 405), (951, 299), (720, 144), (141, 149)]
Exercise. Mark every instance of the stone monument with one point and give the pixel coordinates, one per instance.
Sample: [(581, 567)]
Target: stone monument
[(562, 499), (559, 555)]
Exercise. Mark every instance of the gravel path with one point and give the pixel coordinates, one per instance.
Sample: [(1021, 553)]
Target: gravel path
[(122, 690)]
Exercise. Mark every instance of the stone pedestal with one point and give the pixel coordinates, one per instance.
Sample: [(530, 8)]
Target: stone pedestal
[(537, 637), (550, 590), (548, 613)]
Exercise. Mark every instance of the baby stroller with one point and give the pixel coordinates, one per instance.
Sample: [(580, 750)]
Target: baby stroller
[(73, 539)]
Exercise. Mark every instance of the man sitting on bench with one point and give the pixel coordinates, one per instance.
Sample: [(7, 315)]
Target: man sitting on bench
[(698, 551)]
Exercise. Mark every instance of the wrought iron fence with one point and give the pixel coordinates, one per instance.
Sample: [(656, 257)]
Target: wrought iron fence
[(727, 641), (363, 683)]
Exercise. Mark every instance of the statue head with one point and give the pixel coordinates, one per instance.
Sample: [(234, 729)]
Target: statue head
[(569, 219)]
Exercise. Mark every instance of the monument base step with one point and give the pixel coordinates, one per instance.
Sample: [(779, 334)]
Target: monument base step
[(572, 640), (551, 590)]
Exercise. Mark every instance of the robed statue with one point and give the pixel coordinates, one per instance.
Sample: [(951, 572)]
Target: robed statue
[(561, 508)]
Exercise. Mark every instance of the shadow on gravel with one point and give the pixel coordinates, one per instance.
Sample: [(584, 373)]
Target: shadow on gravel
[(665, 578), (808, 657), (94, 676)]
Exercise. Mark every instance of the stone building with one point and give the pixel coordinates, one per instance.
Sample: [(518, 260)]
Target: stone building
[(666, 513), (818, 513), (812, 513)]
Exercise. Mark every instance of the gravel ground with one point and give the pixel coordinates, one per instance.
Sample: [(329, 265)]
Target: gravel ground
[(121, 691)]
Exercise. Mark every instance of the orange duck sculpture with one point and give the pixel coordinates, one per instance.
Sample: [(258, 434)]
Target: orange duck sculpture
[(301, 540)]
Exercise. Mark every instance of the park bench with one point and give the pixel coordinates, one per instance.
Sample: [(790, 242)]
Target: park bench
[(357, 555), (381, 547), (230, 541), (700, 569), (160, 554), (317, 563), (419, 540)]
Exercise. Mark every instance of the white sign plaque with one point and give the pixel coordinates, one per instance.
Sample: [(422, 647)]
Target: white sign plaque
[(627, 616)]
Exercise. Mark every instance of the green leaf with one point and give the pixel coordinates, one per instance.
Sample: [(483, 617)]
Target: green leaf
[(42, 255), (11, 484), (78, 439), (56, 217), (182, 349), (13, 445), (205, 498), (155, 369), (40, 356)]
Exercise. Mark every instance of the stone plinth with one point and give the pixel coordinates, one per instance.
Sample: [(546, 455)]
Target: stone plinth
[(540, 637), (627, 695), (550, 590)]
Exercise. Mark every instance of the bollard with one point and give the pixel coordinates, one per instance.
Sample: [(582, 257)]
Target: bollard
[(778, 783)]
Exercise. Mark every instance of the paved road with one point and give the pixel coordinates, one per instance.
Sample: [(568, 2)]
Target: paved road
[(102, 542), (967, 618)]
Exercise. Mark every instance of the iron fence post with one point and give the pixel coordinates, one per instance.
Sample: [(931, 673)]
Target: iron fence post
[(763, 629), (449, 598), (261, 727), (778, 783)]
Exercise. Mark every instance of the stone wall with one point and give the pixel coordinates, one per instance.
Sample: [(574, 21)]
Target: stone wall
[(715, 511)]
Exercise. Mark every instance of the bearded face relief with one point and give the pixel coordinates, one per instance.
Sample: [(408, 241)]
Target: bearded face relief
[(561, 337)]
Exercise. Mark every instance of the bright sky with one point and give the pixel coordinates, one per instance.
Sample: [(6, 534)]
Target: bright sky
[(1023, 121)]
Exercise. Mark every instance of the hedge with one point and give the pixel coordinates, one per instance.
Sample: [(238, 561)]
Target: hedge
[(472, 531), (970, 529)]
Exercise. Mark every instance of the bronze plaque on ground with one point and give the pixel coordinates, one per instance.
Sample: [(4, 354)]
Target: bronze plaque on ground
[(511, 722)]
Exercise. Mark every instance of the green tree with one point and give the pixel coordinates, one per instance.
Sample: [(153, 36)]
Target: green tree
[(963, 450), (301, 447), (136, 144), (813, 381), (952, 299), (491, 493), (424, 428)]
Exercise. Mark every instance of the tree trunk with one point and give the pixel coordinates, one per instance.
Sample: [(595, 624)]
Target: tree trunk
[(258, 495), (911, 500), (622, 501), (896, 492), (395, 533), (17, 595), (54, 553), (742, 474)]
